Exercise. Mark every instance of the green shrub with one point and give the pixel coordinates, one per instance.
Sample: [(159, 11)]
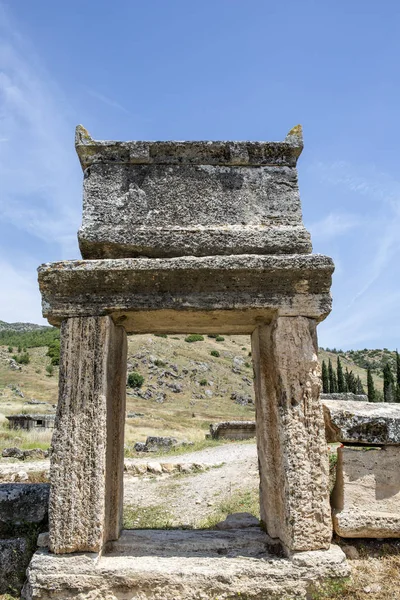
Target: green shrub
[(135, 380), (247, 364), (22, 359), (54, 352), (219, 338), (194, 337), (159, 363), (203, 382), (19, 349), (214, 353), (10, 349), (212, 335), (50, 370)]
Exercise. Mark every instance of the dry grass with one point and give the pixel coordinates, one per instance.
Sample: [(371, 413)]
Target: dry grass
[(237, 502), (375, 574)]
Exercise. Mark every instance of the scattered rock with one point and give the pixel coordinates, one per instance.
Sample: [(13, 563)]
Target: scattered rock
[(241, 399), (169, 467), (374, 588), (238, 520), (351, 552), (154, 468), (13, 453), (175, 387), (43, 540), (140, 447)]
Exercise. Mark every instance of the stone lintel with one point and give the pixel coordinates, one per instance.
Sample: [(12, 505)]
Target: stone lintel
[(188, 293), (370, 423), (189, 152)]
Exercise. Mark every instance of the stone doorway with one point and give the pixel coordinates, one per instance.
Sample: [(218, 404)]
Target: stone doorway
[(176, 237)]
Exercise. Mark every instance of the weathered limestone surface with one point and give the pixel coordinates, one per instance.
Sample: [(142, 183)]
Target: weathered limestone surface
[(292, 451), (345, 396), (183, 565), (217, 198), (362, 422), (87, 459), (15, 555), (233, 430), (22, 503), (180, 294), (366, 497)]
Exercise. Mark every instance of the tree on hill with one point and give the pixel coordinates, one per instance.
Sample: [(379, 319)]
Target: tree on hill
[(341, 383), (325, 378), (371, 387), (388, 384), (332, 378), (397, 399), (359, 386), (353, 383)]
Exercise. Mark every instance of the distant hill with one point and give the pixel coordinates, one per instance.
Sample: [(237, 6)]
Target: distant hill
[(27, 335), (21, 326)]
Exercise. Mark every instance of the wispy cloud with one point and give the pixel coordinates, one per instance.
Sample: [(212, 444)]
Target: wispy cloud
[(367, 288), (334, 225), (38, 169), (107, 100), (39, 173)]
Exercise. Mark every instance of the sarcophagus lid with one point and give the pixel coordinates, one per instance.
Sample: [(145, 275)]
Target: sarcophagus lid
[(207, 198)]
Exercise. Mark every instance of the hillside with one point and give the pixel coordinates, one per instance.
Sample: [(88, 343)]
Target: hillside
[(22, 327), (186, 385)]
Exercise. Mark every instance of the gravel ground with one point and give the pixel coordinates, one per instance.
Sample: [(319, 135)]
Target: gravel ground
[(190, 498)]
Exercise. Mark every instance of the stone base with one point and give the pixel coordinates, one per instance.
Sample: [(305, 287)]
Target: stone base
[(178, 564)]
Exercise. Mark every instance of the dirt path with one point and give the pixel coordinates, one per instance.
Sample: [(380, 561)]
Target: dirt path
[(190, 498)]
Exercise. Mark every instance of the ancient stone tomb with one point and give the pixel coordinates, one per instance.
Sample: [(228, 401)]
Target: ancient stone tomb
[(189, 237)]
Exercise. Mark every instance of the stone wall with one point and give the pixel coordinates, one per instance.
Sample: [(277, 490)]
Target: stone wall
[(233, 430), (23, 515)]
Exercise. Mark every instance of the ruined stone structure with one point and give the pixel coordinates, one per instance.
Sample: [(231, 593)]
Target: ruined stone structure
[(179, 237), (29, 422), (233, 430), (366, 496)]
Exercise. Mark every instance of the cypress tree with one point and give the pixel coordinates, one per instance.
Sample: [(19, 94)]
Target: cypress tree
[(341, 384), (371, 387), (360, 387), (388, 384), (351, 382), (397, 399), (332, 378), (325, 378)]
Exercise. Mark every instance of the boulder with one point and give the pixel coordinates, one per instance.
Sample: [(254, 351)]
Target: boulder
[(362, 422), (13, 453), (14, 560), (22, 503), (238, 520)]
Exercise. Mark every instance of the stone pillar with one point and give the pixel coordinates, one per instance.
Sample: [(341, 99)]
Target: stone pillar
[(86, 471), (292, 451)]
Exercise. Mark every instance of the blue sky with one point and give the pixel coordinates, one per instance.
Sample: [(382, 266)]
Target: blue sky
[(215, 69)]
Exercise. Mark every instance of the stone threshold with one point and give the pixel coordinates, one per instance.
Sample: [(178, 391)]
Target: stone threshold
[(182, 564)]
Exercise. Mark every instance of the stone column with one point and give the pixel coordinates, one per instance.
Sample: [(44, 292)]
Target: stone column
[(86, 471), (292, 451)]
